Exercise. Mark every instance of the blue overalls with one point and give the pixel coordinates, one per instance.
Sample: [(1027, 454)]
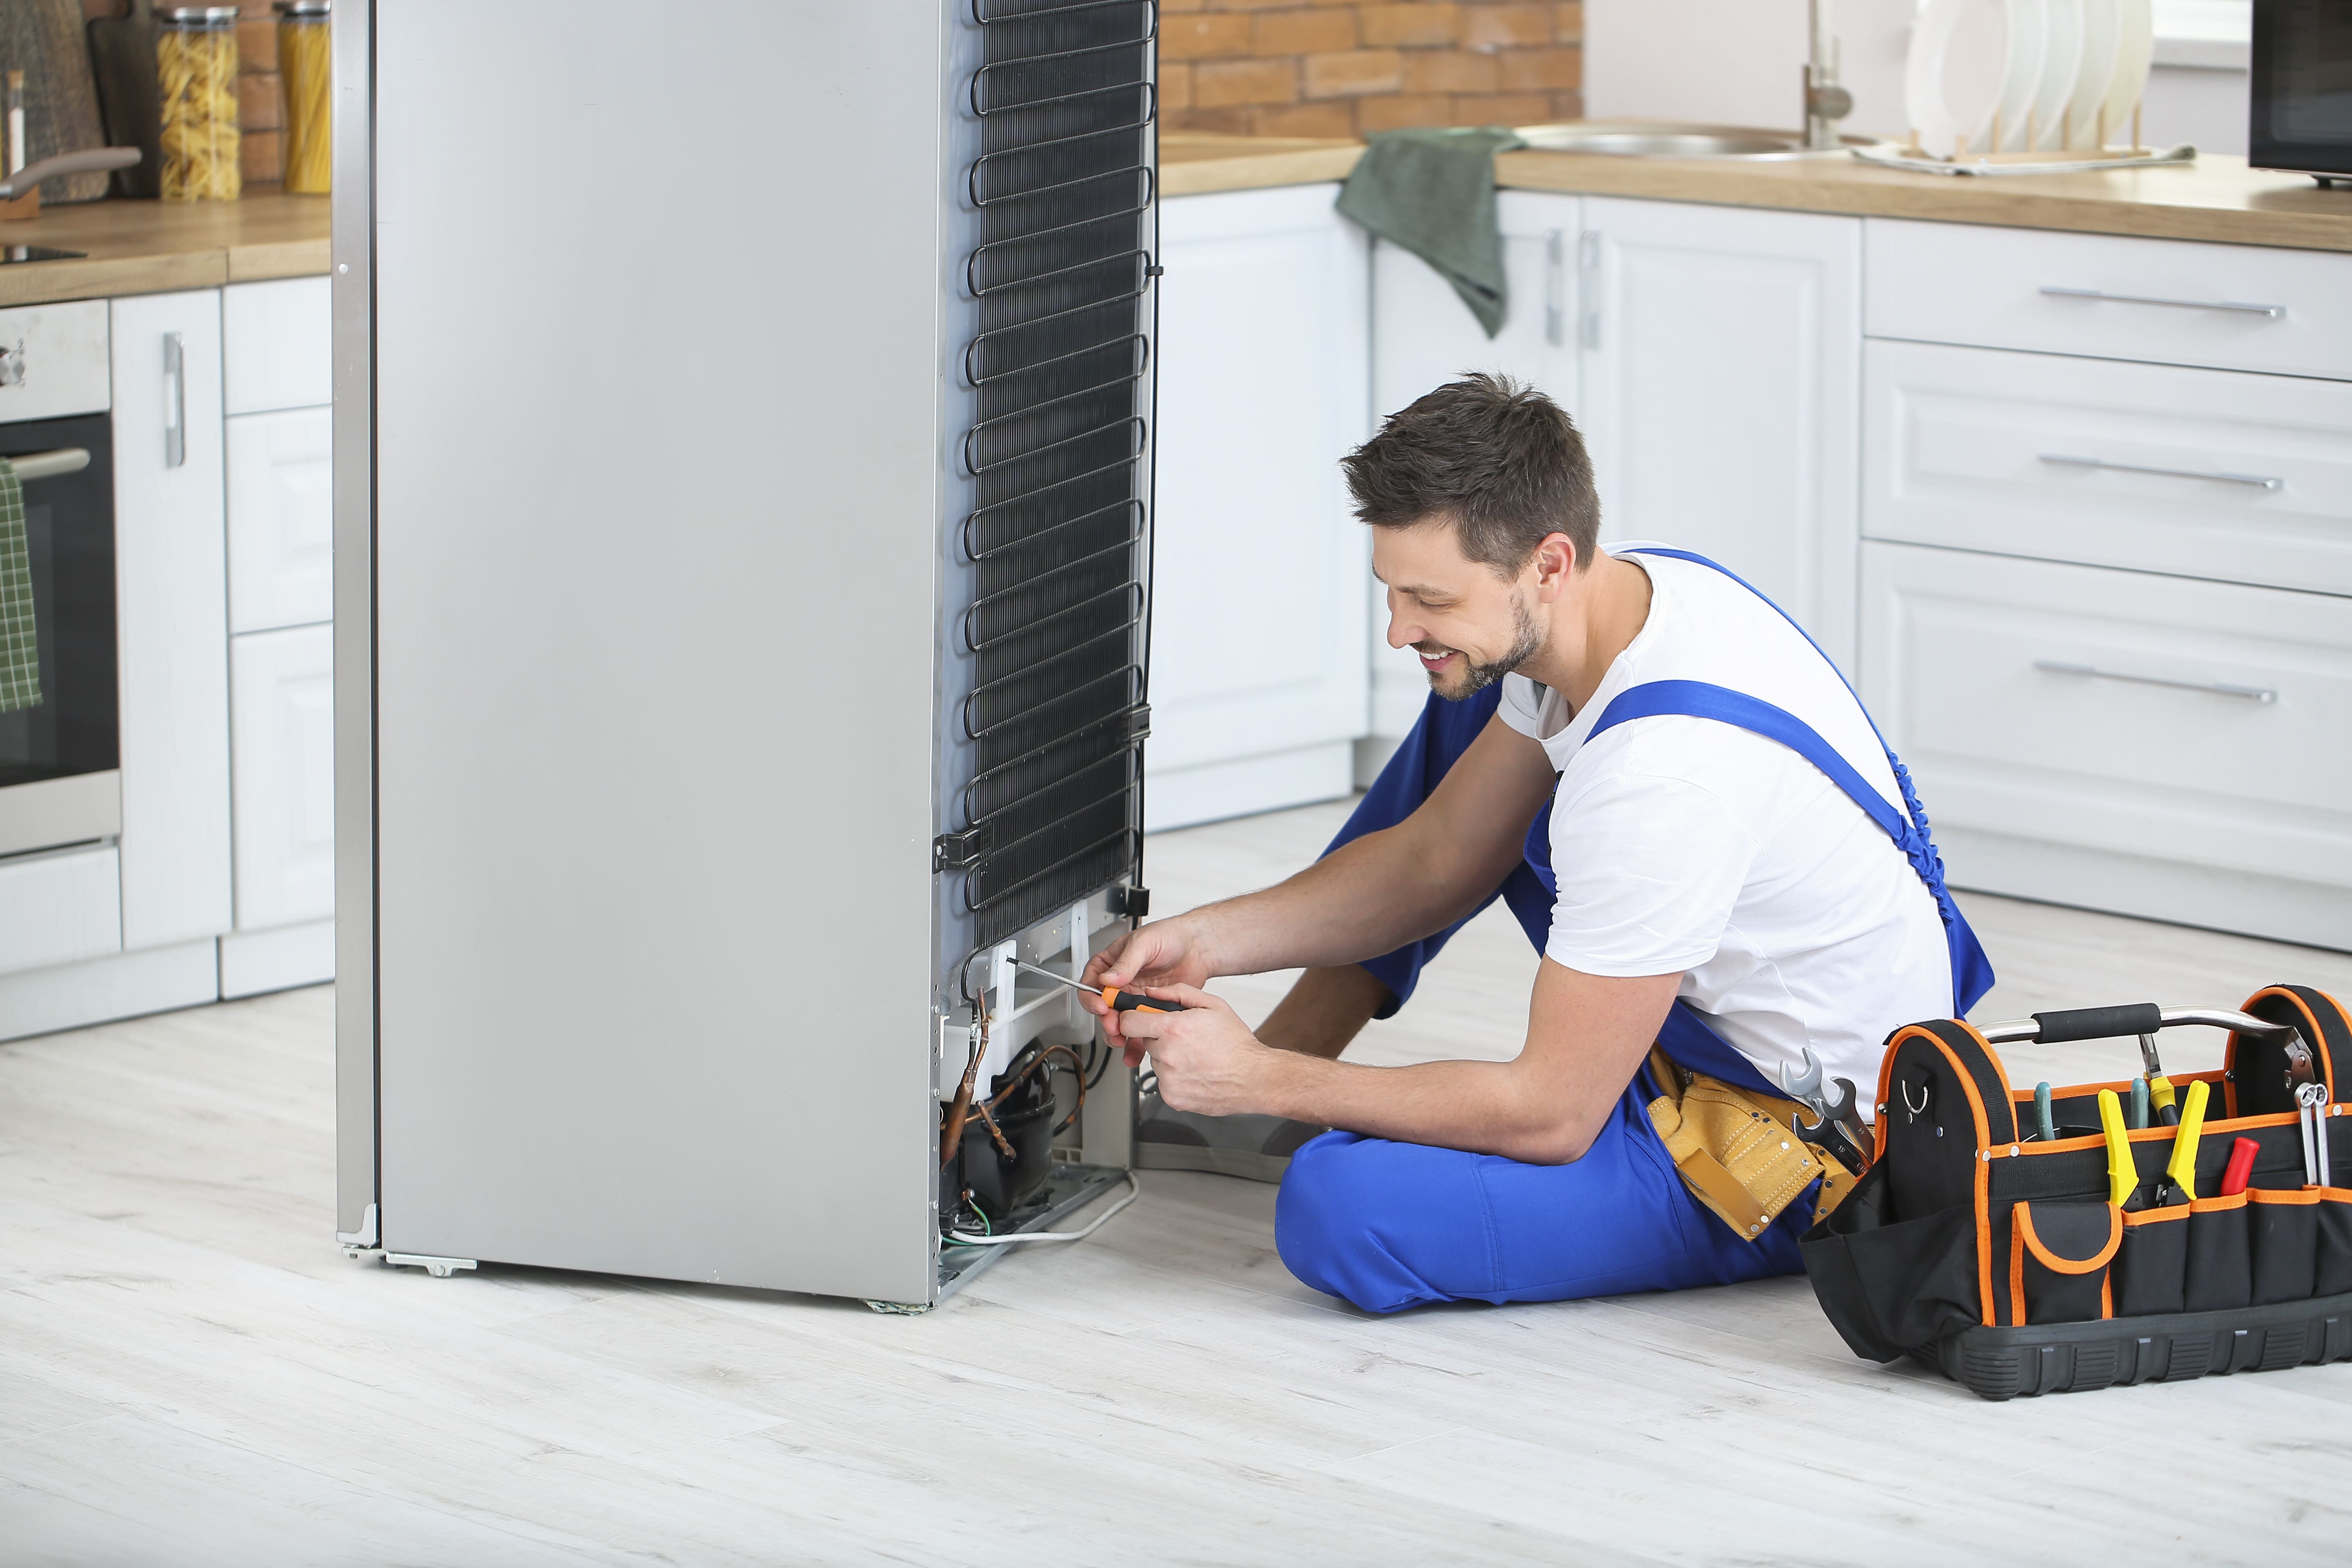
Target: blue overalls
[(1390, 1226)]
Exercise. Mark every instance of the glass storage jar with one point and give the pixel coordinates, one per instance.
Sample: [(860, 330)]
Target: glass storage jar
[(302, 69), (195, 67)]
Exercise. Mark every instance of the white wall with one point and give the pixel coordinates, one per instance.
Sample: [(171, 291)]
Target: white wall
[(1739, 62)]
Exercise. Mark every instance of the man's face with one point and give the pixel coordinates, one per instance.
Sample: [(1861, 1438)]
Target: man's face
[(1470, 625)]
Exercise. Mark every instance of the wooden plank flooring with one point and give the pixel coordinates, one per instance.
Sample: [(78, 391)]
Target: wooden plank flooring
[(191, 1373)]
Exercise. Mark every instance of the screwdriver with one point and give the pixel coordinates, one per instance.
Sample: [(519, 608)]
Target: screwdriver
[(1121, 1001)]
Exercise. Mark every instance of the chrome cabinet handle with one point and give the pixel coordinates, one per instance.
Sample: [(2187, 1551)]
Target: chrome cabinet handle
[(2220, 477), (50, 465), (1587, 287), (2276, 312), (175, 401), (2220, 688), (1555, 288)]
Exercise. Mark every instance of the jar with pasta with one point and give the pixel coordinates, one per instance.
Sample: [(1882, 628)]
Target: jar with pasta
[(303, 70), (195, 65)]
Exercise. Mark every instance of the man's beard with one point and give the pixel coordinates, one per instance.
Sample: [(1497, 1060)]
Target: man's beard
[(1525, 643)]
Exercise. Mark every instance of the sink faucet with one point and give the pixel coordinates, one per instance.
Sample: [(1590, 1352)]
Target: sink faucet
[(1826, 102)]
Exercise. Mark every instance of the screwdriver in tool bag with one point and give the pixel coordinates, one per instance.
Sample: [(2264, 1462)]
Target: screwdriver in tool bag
[(1121, 1001), (2240, 1169)]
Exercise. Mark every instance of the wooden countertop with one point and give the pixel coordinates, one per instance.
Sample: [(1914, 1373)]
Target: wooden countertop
[(2216, 198), (149, 246)]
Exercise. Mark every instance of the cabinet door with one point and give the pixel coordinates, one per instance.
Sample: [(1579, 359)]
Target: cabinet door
[(285, 748), (171, 609), (1720, 387), (1424, 336), (277, 344), (281, 519), (1258, 676), (2122, 740)]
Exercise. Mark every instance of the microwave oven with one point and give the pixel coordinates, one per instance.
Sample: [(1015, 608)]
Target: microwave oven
[(2299, 102)]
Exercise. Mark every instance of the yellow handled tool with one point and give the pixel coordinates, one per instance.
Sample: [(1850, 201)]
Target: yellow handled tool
[(2160, 1095), (2182, 1168), (2122, 1174)]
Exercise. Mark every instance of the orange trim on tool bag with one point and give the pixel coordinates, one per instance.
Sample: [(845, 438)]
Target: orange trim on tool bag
[(2158, 1134), (1984, 1141), (2051, 1261), (2156, 1217), (2283, 1195), (2217, 1205), (2315, 1034), (2107, 1296)]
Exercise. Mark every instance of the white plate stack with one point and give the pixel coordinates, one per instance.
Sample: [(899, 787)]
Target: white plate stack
[(2022, 76)]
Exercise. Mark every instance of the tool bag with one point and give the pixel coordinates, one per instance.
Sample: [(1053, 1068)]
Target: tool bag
[(2000, 1260)]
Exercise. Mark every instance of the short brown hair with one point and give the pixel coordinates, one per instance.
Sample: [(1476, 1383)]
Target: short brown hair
[(1494, 456)]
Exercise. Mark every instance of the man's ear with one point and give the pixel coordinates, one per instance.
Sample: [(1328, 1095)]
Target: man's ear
[(1555, 565)]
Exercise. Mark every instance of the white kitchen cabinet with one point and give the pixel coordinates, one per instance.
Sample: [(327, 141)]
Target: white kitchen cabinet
[(2120, 739), (280, 518), (172, 612), (279, 344), (2198, 473), (1721, 392), (283, 684), (58, 907), (1424, 336), (1258, 676)]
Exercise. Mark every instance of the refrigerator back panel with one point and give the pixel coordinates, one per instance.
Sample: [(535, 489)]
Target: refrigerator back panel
[(658, 491), (1048, 651)]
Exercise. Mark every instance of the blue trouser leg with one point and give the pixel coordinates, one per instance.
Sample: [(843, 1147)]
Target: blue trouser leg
[(1439, 737), (1389, 1226)]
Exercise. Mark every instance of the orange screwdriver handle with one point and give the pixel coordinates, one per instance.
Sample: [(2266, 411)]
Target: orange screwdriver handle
[(1128, 1002)]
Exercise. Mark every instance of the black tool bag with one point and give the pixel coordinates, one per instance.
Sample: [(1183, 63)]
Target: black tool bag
[(1997, 1256)]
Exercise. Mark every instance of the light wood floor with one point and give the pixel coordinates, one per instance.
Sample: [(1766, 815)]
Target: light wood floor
[(191, 1373)]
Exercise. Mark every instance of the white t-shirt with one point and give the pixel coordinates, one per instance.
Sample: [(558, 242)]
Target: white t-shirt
[(1693, 845)]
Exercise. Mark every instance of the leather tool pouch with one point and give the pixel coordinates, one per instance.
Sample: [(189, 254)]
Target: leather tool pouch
[(1998, 1258), (1738, 1151)]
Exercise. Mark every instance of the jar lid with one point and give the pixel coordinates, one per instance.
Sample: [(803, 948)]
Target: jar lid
[(200, 15), (303, 7)]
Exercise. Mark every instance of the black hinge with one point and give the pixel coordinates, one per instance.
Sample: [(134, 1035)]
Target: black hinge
[(959, 851), (1131, 902)]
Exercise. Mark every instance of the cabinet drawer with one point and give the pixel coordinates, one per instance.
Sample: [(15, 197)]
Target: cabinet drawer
[(2216, 733), (281, 520), (2168, 302), (2206, 473), (279, 345), (283, 737), (58, 908)]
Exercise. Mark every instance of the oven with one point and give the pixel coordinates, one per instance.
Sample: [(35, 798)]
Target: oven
[(59, 733), (2300, 99)]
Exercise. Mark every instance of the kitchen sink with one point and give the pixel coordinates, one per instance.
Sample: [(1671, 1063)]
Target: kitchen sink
[(1668, 139)]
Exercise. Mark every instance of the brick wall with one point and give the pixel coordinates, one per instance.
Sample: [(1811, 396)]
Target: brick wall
[(1343, 67), (257, 107)]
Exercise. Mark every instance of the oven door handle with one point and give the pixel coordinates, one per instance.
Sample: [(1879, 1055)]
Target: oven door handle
[(50, 465)]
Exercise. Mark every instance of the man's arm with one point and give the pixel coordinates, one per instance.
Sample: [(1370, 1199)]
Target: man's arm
[(1367, 897), (1586, 1036)]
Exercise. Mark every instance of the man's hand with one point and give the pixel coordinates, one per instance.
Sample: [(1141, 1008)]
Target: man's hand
[(1206, 1057), (1168, 952)]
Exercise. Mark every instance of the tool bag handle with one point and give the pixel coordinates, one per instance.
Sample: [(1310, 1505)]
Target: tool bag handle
[(2131, 1018)]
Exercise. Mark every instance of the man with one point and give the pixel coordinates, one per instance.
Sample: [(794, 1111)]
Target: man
[(1723, 861)]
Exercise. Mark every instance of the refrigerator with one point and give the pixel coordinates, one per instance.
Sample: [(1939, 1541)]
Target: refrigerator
[(743, 525)]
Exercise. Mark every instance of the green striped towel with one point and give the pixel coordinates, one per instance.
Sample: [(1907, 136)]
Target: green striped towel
[(20, 656)]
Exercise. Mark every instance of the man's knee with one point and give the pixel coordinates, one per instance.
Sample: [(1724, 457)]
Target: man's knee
[(1338, 1224)]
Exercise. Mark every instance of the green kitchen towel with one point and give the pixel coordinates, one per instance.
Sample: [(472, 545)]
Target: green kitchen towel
[(1432, 192), (20, 656)]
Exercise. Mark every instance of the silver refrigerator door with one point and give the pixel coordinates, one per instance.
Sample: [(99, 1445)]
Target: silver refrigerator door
[(657, 410)]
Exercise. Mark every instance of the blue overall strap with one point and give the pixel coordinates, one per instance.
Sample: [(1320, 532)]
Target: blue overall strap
[(1971, 970)]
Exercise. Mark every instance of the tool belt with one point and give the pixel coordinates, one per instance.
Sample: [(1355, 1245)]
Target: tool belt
[(2019, 1261), (1737, 1150)]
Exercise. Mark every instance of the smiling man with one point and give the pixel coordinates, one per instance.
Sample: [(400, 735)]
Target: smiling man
[(1688, 811)]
